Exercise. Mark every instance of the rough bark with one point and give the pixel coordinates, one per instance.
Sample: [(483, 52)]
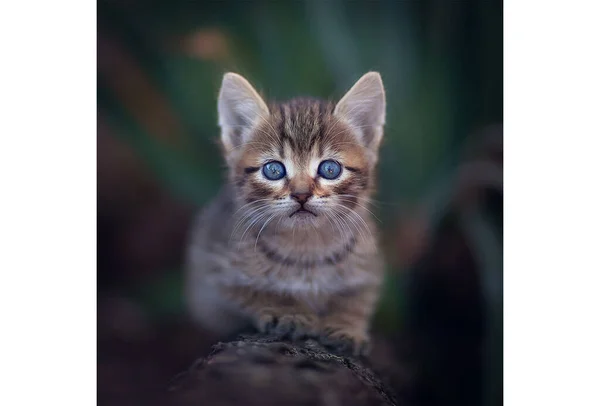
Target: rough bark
[(258, 370)]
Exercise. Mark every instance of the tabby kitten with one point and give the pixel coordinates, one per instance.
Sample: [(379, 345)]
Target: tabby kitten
[(289, 244)]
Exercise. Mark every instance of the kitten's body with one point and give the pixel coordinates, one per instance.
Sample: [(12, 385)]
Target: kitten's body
[(253, 257)]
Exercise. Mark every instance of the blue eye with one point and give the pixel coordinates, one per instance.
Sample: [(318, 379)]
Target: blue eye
[(330, 169), (273, 170)]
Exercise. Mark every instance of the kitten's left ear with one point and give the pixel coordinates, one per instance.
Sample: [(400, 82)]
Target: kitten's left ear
[(363, 108), (240, 107)]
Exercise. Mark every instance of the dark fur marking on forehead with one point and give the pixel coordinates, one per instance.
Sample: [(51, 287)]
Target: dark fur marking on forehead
[(317, 135), (283, 136), (321, 143), (302, 122), (280, 130)]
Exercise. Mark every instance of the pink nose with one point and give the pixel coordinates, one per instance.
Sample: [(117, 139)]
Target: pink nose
[(301, 197)]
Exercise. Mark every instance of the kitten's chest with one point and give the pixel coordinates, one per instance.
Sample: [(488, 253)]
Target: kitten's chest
[(303, 270)]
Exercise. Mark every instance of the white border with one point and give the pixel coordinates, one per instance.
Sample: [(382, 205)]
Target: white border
[(48, 202), (552, 207), (47, 208)]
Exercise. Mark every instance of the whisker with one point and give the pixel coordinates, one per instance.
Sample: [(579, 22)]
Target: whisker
[(246, 217), (356, 225), (262, 228), (350, 215), (366, 200), (338, 216), (251, 212), (255, 221), (342, 232), (250, 203), (357, 215), (360, 205)]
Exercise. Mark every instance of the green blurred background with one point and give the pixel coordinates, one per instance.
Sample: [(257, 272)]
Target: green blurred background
[(440, 194)]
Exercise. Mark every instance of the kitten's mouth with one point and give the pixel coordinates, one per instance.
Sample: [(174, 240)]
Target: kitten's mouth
[(302, 212)]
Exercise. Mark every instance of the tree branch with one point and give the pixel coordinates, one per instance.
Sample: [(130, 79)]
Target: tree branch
[(259, 370)]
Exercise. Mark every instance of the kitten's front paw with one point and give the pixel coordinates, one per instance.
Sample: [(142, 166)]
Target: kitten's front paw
[(266, 322), (345, 340), (294, 326)]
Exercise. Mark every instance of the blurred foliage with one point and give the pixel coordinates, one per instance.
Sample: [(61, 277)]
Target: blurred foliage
[(440, 62), (160, 64)]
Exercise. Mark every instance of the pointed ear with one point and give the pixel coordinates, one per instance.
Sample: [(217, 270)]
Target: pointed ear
[(363, 108), (239, 107)]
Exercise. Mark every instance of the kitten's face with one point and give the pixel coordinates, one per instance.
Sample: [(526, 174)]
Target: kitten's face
[(304, 163), (302, 167)]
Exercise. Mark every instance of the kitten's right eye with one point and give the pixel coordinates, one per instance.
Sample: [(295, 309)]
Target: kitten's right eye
[(274, 170)]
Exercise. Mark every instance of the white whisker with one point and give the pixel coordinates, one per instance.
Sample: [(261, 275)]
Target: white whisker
[(254, 222), (360, 205), (354, 223), (262, 228)]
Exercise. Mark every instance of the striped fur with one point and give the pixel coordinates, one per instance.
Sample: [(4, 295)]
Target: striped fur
[(253, 257)]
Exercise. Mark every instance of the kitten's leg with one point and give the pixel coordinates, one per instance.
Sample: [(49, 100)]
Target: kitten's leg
[(345, 326), (277, 313)]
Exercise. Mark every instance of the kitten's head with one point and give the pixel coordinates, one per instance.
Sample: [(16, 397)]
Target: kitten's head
[(304, 162)]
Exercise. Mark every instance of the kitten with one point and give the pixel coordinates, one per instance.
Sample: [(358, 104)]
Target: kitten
[(289, 244)]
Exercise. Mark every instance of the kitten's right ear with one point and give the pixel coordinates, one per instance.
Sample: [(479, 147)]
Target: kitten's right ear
[(239, 107), (363, 107)]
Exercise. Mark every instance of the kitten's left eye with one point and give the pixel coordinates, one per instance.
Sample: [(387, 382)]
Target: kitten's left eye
[(274, 170), (330, 169)]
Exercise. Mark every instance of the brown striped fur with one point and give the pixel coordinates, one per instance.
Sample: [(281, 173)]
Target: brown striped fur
[(252, 257)]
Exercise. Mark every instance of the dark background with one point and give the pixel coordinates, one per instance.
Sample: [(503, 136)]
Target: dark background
[(160, 63)]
